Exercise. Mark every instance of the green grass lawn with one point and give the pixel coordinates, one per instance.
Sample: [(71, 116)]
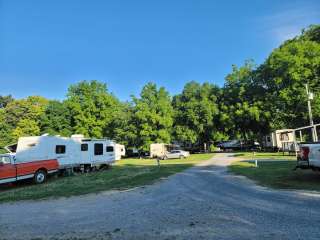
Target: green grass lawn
[(125, 174), (265, 155), (278, 175)]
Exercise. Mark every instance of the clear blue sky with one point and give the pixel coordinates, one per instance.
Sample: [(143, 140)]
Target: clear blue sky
[(46, 45)]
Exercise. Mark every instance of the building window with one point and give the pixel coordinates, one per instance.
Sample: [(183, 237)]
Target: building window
[(60, 149), (109, 148), (98, 149), (84, 147)]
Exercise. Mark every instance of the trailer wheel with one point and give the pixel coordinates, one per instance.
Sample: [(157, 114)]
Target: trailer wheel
[(40, 177)]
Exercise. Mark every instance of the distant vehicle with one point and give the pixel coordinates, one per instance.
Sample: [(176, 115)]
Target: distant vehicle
[(229, 145), (176, 154), (309, 156), (239, 145), (37, 156)]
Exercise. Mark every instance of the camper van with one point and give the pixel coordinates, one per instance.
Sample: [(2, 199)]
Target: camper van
[(62, 153)]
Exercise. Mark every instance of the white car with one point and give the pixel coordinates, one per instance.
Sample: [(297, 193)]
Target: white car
[(176, 154)]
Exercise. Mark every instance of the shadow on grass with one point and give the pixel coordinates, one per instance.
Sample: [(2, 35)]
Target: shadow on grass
[(119, 177), (278, 175)]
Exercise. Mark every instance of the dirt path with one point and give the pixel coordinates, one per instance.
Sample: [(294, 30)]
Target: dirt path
[(204, 202)]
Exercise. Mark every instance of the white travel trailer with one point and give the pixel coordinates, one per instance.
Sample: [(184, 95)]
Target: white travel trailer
[(160, 149), (119, 152), (280, 139), (75, 151)]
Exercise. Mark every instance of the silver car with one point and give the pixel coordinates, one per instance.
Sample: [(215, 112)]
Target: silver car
[(176, 154)]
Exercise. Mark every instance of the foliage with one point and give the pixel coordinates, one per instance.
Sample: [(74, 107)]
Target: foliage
[(196, 112), (56, 119), (92, 108), (152, 117), (254, 100)]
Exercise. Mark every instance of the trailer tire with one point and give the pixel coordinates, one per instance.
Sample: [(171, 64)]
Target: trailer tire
[(40, 177)]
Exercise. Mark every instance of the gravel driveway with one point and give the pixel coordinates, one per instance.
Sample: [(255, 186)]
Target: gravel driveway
[(204, 202)]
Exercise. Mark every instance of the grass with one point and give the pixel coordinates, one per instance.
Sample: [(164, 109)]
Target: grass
[(278, 175), (125, 174), (265, 155)]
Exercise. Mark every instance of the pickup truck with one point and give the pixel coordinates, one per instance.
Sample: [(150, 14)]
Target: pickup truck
[(309, 156), (12, 170)]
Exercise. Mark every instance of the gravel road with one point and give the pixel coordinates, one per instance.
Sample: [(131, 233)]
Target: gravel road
[(204, 202)]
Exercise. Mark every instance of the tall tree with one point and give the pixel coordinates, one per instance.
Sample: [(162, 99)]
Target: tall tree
[(4, 100), (284, 75), (242, 103), (24, 115), (196, 111), (92, 108), (56, 119), (152, 116)]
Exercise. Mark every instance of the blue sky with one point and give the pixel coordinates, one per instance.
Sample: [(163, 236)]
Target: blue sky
[(47, 45)]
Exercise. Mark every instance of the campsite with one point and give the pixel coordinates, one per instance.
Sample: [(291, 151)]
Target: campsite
[(165, 120)]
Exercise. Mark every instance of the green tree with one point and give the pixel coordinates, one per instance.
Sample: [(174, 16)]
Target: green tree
[(4, 100), (26, 127), (196, 113), (152, 117), (242, 104), (284, 75), (92, 108), (56, 119)]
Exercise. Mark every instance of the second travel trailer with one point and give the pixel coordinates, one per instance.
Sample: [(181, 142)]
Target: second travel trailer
[(120, 151), (281, 140)]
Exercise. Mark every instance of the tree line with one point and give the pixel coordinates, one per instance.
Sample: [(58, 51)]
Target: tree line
[(254, 100)]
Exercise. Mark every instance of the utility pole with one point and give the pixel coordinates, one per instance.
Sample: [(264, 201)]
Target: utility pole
[(313, 129)]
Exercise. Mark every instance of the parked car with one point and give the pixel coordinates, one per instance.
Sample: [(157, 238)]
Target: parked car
[(176, 154)]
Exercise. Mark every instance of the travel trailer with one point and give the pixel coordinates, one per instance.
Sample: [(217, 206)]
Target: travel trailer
[(61, 153), (119, 152), (160, 149), (280, 140)]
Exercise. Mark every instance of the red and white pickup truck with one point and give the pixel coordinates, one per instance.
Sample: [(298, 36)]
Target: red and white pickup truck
[(309, 156), (12, 170)]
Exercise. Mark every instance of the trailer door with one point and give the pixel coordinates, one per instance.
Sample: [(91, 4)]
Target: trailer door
[(7, 169), (86, 149), (98, 156)]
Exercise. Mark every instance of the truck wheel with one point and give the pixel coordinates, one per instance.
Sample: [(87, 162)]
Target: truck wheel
[(40, 177)]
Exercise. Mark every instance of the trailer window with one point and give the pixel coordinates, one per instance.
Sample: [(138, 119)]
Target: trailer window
[(4, 160), (109, 148), (98, 149), (84, 147), (60, 149)]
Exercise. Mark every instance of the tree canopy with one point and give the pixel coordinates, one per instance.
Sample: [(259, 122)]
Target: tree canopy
[(254, 100)]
